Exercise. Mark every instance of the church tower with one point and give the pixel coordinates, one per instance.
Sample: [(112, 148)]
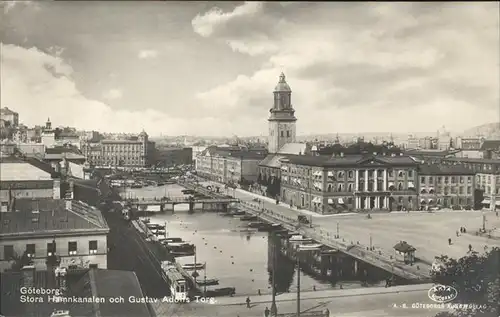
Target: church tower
[(282, 119)]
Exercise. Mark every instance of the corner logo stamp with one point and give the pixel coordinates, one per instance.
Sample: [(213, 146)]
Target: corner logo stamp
[(442, 293)]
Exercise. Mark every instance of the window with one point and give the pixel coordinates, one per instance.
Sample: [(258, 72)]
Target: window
[(410, 173), (469, 190), (341, 175), (282, 133), (422, 179), (390, 173), (93, 247), (351, 174), (349, 188), (339, 188), (401, 173), (431, 179), (8, 252), (439, 179), (453, 180), (51, 249), (288, 134), (30, 250), (400, 186), (72, 248)]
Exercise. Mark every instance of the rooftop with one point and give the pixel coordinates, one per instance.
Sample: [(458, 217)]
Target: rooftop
[(21, 171), (67, 155), (440, 153), (293, 148), (404, 247), (53, 217), (473, 160), (438, 169), (351, 160)]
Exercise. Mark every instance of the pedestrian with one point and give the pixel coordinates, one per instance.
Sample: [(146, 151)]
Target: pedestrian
[(266, 312), (258, 291), (449, 241), (314, 288), (248, 302), (457, 233), (470, 248), (327, 312), (465, 230)]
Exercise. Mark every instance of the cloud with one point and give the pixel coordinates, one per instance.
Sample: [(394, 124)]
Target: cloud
[(38, 85), (378, 67), (113, 94), (146, 54)]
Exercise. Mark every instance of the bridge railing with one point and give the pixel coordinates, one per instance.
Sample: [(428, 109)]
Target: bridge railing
[(328, 238)]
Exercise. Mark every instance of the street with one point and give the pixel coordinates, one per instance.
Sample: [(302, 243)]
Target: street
[(377, 303)]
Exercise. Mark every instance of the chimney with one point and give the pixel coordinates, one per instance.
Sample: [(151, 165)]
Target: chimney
[(28, 273)]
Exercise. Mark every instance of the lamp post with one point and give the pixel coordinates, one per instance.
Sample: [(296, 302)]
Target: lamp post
[(371, 242), (299, 249), (274, 309), (338, 235)]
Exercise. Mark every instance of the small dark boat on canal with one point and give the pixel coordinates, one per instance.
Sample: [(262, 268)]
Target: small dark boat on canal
[(192, 266), (208, 282), (249, 218), (224, 291), (257, 225), (237, 213)]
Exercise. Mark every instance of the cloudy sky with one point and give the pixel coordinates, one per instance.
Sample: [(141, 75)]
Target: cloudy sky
[(209, 68)]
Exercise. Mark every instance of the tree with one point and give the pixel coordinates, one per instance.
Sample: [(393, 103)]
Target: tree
[(476, 277)]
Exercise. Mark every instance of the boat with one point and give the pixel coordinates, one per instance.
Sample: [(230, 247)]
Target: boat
[(136, 186), (208, 282), (182, 253), (172, 240), (160, 232), (155, 226), (256, 225), (223, 291), (192, 266), (249, 218), (237, 213), (245, 230)]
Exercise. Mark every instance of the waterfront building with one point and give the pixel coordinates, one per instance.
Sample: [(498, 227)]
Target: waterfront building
[(132, 152), (27, 178), (9, 116), (487, 178), (72, 230), (197, 150), (447, 186), (232, 164), (355, 182)]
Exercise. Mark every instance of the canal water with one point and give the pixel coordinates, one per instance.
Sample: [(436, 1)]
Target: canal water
[(236, 258)]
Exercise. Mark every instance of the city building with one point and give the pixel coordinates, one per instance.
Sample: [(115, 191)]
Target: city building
[(9, 116), (447, 186), (355, 182), (197, 150), (32, 149), (491, 149), (131, 152), (48, 136), (173, 156), (414, 142), (230, 164), (282, 121), (72, 230), (487, 178), (27, 179)]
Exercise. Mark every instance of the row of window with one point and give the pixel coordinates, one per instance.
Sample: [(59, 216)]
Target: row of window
[(446, 179), (351, 174), (447, 190), (9, 253), (483, 178)]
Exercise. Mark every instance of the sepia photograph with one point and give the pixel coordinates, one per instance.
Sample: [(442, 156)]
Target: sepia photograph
[(249, 159)]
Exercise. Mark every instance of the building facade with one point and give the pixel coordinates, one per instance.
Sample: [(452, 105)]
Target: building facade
[(71, 230), (229, 165), (9, 116), (332, 185), (282, 121), (135, 152), (446, 186), (487, 178)]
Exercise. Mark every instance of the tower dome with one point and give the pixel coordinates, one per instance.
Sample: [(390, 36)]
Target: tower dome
[(282, 85)]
